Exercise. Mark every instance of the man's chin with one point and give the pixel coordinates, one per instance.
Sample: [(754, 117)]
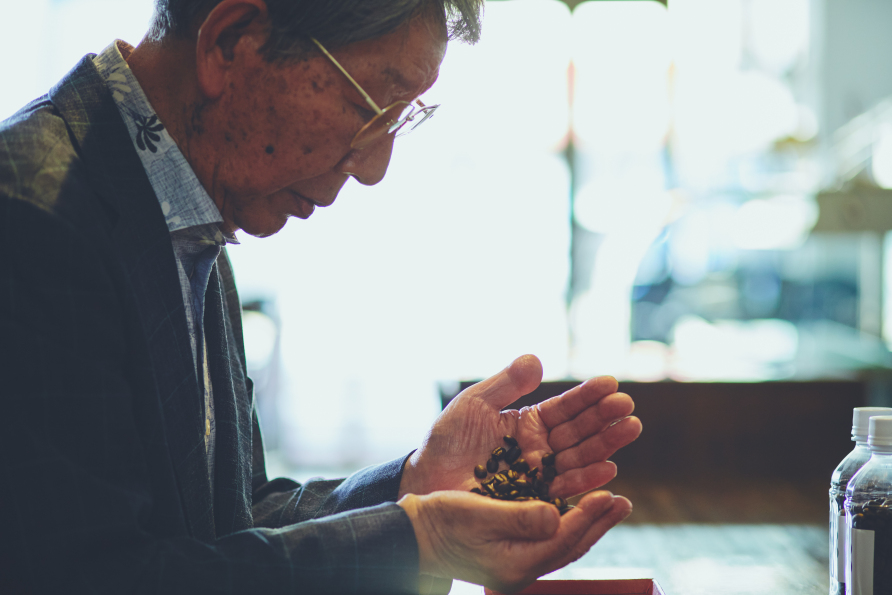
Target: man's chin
[(264, 227)]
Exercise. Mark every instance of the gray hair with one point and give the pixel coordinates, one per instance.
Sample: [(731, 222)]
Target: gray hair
[(335, 23)]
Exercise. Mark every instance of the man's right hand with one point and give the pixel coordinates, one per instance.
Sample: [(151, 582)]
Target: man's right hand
[(506, 545)]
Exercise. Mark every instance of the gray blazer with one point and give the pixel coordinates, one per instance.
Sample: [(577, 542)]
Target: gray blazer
[(103, 471)]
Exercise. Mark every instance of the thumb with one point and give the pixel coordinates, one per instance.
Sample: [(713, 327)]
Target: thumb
[(522, 376), (525, 521)]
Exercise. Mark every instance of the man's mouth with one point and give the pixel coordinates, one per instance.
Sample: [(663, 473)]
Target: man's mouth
[(305, 206)]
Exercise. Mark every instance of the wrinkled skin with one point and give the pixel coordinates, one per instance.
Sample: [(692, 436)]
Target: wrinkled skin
[(507, 545), (583, 427)]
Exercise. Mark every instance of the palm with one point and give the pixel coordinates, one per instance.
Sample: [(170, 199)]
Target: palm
[(466, 434), (578, 426)]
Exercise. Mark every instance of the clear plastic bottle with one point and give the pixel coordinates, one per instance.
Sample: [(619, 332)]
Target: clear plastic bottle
[(869, 516), (838, 482)]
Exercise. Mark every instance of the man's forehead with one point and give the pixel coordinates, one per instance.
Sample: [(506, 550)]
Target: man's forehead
[(417, 82), (410, 57)]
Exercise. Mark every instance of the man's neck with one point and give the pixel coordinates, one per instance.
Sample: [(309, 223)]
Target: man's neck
[(166, 72)]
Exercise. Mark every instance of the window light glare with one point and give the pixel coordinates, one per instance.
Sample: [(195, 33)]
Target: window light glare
[(733, 350), (696, 25), (506, 91), (881, 163), (621, 65), (778, 32), (779, 223), (621, 205)]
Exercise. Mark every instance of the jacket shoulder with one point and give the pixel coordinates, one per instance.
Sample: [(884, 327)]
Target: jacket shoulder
[(37, 157), (40, 165)]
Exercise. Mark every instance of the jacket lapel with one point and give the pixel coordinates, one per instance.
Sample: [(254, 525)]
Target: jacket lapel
[(233, 406), (143, 243)]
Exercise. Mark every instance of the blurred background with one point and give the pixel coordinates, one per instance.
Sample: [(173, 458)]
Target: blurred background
[(696, 193)]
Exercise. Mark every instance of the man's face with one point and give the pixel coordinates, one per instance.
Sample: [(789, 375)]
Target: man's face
[(284, 130)]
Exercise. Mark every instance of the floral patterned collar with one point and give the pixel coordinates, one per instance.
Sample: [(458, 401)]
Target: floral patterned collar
[(184, 201)]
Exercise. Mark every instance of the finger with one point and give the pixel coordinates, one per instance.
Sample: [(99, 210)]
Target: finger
[(600, 446), (596, 519), (574, 526), (565, 407), (577, 481), (591, 421), (518, 379)]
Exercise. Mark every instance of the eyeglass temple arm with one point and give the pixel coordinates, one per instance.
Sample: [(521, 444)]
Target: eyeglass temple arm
[(350, 78)]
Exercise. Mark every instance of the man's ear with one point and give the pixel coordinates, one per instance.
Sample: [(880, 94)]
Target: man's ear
[(217, 45)]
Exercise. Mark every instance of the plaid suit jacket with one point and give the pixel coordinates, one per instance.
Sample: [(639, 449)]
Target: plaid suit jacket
[(103, 475)]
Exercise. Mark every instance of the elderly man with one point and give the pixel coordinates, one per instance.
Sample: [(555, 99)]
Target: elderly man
[(131, 455)]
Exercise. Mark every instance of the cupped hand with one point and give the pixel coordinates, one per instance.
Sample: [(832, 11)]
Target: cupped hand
[(583, 427), (505, 545)]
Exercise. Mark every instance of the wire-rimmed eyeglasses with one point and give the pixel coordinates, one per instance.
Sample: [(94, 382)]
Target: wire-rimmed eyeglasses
[(401, 117)]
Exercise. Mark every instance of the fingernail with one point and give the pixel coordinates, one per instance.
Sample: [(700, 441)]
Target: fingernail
[(626, 514)]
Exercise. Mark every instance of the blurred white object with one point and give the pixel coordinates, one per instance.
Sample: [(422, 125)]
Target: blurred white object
[(734, 350), (621, 66)]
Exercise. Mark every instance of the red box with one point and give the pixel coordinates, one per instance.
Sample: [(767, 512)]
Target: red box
[(637, 586)]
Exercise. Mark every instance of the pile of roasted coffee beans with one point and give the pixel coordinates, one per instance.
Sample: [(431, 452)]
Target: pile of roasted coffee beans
[(876, 515), (516, 481)]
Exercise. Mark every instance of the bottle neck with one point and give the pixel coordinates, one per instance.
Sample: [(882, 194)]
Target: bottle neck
[(881, 451)]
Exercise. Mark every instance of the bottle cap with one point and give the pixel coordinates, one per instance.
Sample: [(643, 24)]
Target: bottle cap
[(880, 431), (861, 418)]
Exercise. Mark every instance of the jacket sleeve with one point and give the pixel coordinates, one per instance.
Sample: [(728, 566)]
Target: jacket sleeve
[(81, 507), (283, 502)]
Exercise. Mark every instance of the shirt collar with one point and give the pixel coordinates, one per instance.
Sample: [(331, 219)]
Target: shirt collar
[(184, 201)]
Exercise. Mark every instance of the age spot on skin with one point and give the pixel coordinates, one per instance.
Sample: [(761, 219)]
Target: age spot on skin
[(228, 137), (270, 149), (307, 150)]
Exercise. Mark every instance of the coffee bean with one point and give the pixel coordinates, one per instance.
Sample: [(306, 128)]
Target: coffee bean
[(521, 466), (518, 482)]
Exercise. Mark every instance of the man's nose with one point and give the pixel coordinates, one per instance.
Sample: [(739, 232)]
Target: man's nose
[(369, 164)]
